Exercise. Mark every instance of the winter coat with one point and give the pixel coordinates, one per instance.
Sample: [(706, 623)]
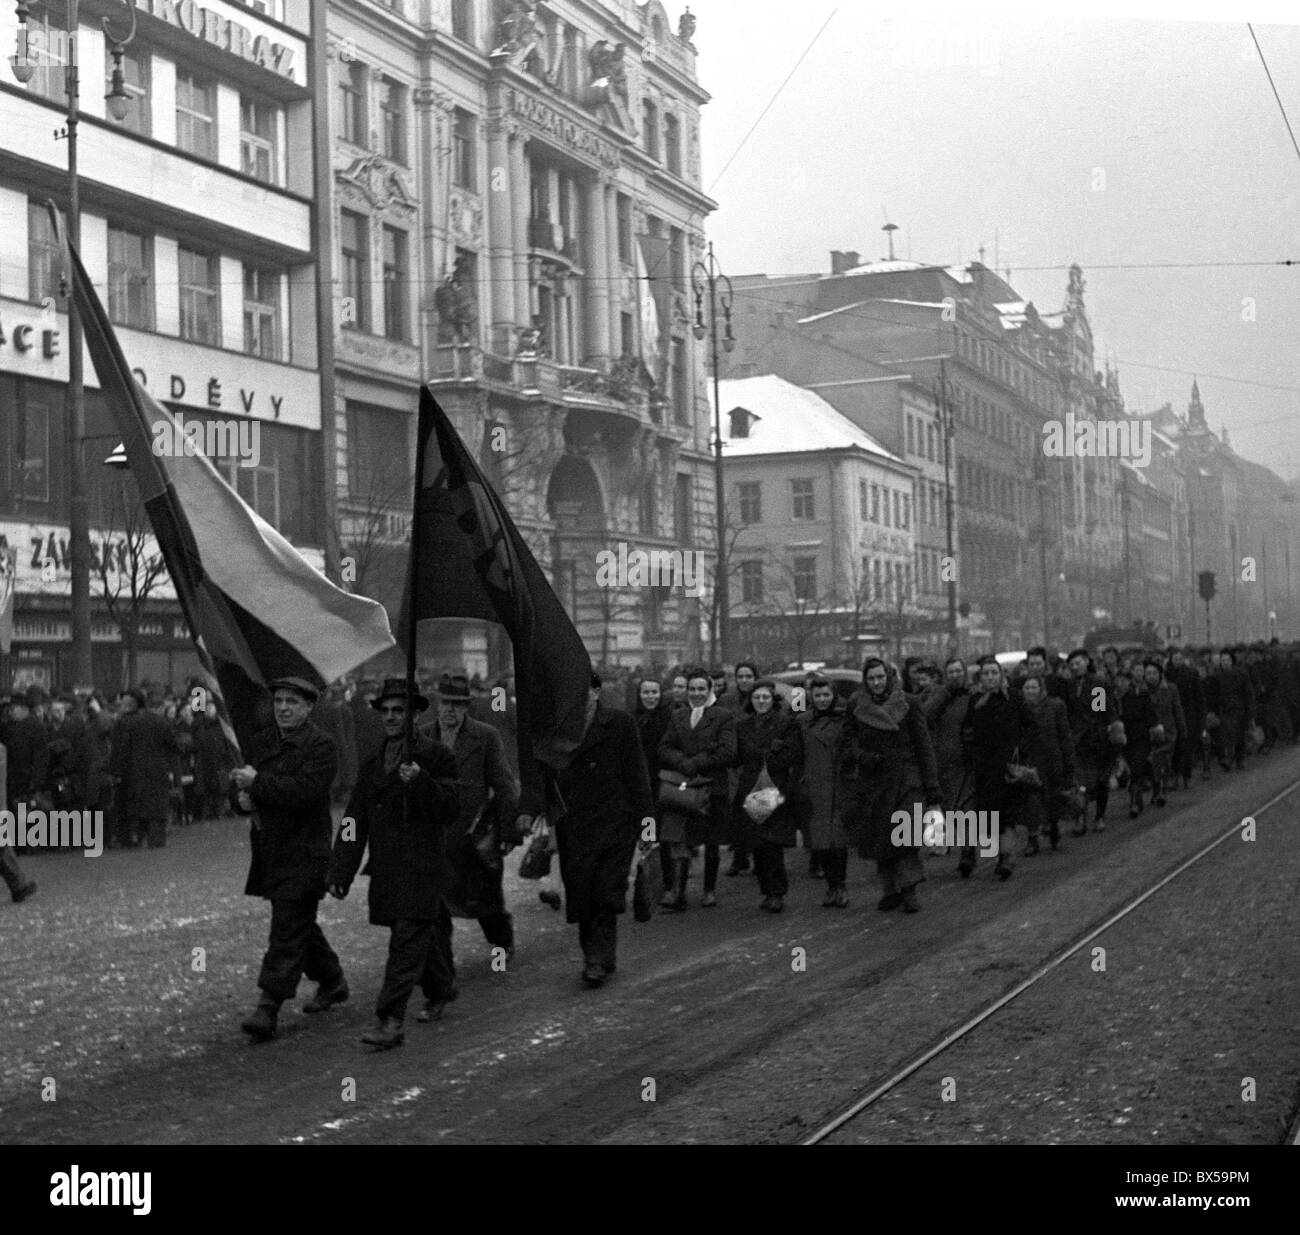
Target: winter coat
[(505, 722), (886, 764), (28, 747), (292, 828), (213, 757), (65, 777), (820, 815), (709, 750), (1139, 717), (1090, 707), (1236, 694), (606, 798), (945, 712), (1049, 747), (145, 762), (1000, 728), (406, 828), (1168, 705), (651, 725), (334, 719), (777, 741), (489, 805), (95, 749)]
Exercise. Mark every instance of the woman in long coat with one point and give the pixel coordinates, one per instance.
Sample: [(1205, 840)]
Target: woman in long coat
[(1001, 730), (820, 816), (886, 764), (945, 712), (1135, 709), (1051, 751), (769, 737), (652, 715), (700, 743), (1090, 707)]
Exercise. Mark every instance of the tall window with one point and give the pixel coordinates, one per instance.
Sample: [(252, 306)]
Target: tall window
[(262, 312), (354, 243), (805, 578), (196, 113), (257, 133), (392, 108), (130, 280), (684, 508), (200, 275), (462, 20), (624, 212), (751, 582), (683, 400), (352, 104), (673, 144), (801, 500), (751, 502), (650, 128), (43, 261), (259, 486), (875, 503), (379, 460), (677, 257), (48, 45), (463, 149), (135, 75), (863, 504), (396, 323), (29, 450)]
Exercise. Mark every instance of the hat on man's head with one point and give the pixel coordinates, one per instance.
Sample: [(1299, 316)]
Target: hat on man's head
[(299, 686), (453, 688), (136, 693), (396, 688)]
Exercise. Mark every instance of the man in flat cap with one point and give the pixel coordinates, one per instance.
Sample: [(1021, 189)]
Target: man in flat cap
[(285, 786), (402, 807), (488, 820)]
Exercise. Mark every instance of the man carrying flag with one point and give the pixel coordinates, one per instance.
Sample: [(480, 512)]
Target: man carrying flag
[(259, 614)]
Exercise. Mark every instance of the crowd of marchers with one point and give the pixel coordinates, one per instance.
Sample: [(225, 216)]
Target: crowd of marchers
[(697, 761)]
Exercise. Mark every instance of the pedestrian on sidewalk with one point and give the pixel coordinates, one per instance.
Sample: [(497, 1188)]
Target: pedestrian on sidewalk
[(404, 807), (145, 764), (819, 805), (285, 786), (20, 886)]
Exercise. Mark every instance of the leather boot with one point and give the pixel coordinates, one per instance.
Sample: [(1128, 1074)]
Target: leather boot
[(387, 1034), (261, 1025), (675, 901), (327, 997)]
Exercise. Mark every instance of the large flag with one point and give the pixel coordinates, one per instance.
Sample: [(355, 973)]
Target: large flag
[(256, 608), (8, 596), (468, 560), (650, 336)]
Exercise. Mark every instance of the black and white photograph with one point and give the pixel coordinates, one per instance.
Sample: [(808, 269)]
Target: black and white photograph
[(616, 574)]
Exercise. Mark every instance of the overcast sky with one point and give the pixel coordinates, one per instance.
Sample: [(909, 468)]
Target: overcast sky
[(1113, 143)]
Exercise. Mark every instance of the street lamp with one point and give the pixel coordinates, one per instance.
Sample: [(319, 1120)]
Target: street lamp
[(116, 100), (705, 278)]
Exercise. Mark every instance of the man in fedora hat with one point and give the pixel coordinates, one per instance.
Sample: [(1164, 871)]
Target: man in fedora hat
[(285, 786), (404, 802), (487, 822)]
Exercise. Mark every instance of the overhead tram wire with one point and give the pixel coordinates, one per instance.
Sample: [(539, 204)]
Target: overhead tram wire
[(1285, 119)]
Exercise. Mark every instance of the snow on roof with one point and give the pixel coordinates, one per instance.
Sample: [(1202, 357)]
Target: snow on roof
[(844, 308), (787, 419), (960, 274), (859, 304)]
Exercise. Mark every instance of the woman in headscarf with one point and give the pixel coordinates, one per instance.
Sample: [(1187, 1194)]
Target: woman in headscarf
[(886, 764), (768, 737), (819, 803), (700, 743), (1051, 752)]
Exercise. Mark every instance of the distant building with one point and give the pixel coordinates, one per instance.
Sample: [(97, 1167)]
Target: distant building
[(821, 529)]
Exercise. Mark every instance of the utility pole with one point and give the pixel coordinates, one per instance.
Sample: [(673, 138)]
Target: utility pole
[(944, 405), (1128, 583), (1040, 468)]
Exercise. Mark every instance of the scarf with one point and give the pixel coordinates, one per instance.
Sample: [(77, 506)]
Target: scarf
[(696, 713), (888, 715)]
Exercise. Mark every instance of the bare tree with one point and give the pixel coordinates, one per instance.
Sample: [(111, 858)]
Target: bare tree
[(128, 567), (798, 617)]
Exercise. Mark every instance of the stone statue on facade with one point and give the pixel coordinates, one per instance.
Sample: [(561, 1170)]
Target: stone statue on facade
[(456, 305), (686, 25), (517, 31), (606, 62)]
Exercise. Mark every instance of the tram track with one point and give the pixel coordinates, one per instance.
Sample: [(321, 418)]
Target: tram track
[(948, 1038)]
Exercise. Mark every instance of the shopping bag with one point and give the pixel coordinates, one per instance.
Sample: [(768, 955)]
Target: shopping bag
[(647, 883)]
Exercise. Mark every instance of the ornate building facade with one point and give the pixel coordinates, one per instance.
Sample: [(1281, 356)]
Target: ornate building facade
[(517, 211)]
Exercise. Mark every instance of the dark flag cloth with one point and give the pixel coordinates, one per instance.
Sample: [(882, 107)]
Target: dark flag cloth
[(256, 608), (469, 561)]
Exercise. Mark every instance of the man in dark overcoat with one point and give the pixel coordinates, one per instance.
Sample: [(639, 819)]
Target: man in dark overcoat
[(403, 807), (285, 786), (606, 801), (27, 742), (145, 765), (487, 822)]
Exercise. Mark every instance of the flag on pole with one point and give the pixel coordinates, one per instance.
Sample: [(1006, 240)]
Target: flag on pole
[(468, 560), (256, 608), (8, 596)]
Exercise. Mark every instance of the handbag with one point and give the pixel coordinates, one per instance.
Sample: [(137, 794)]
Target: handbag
[(647, 883), (688, 797), (536, 862), (1212, 721), (762, 801), (1023, 774)]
